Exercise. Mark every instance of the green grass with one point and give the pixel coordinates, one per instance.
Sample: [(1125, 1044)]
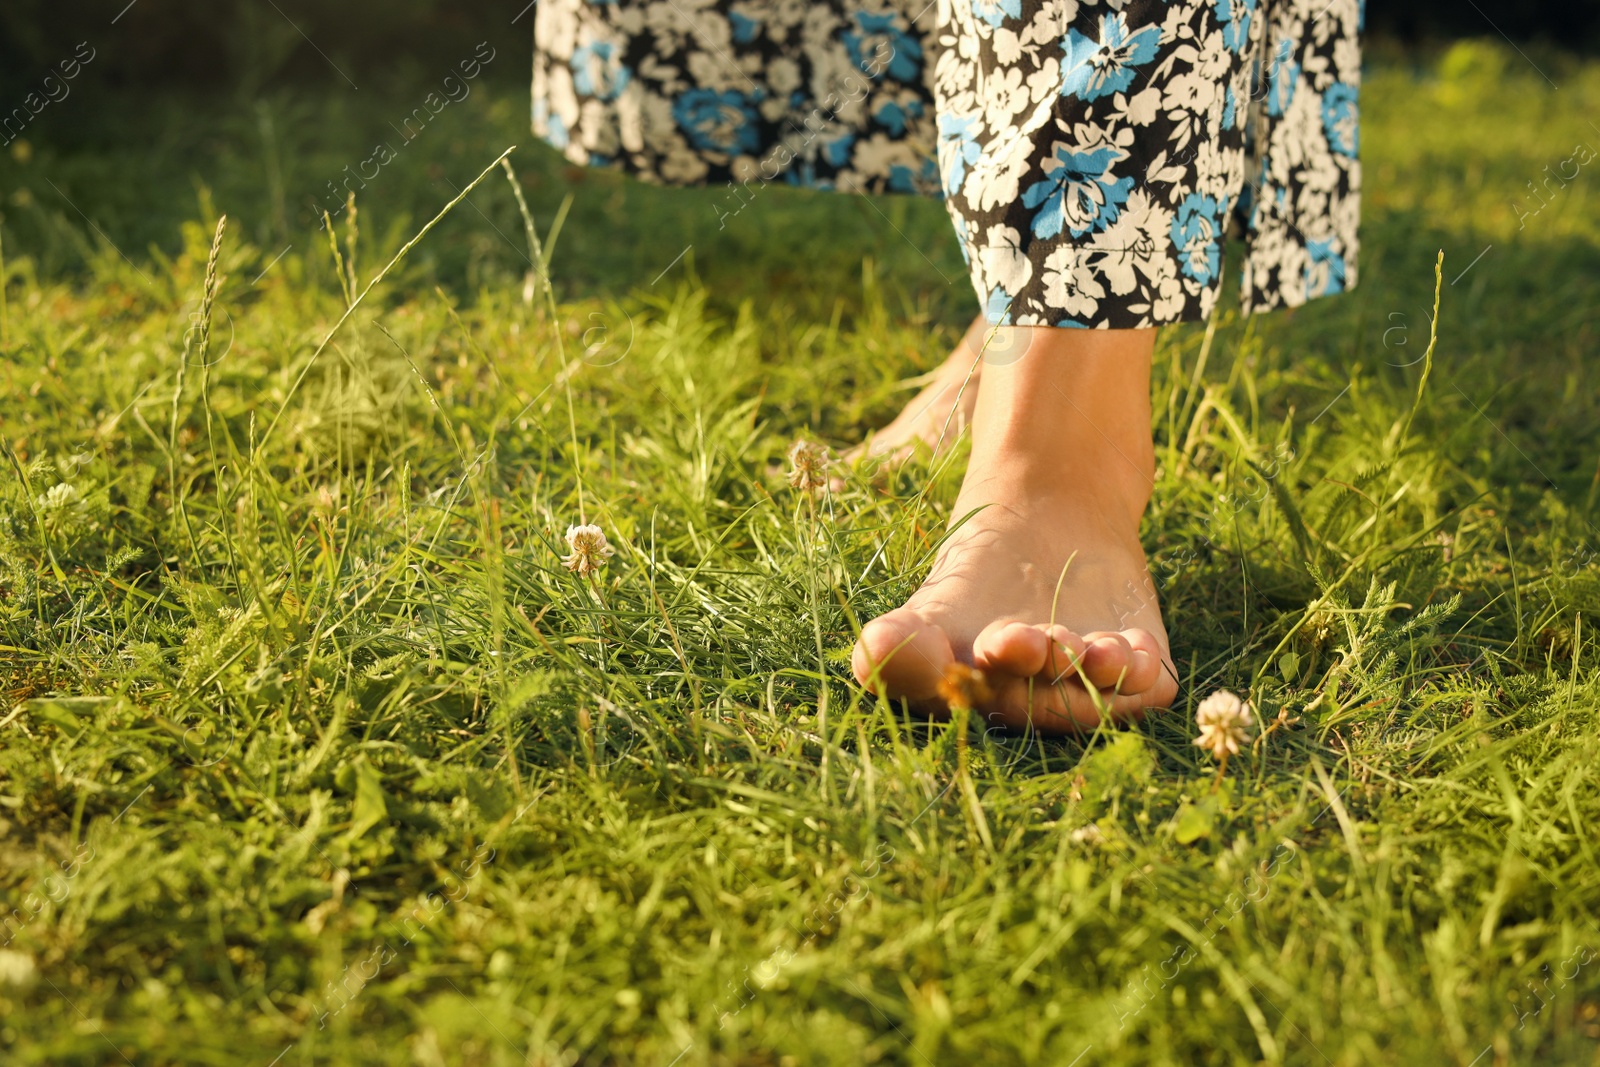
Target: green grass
[(314, 753)]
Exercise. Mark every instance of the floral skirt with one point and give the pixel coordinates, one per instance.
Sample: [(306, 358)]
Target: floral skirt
[(1093, 156)]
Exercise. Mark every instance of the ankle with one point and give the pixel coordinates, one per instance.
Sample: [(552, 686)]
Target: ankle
[(1117, 449), (1112, 479)]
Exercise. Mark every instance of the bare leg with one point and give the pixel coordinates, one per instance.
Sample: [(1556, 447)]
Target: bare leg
[(940, 412), (1044, 586)]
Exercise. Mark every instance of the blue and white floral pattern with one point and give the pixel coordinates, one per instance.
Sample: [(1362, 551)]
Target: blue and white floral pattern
[(1197, 235), (821, 93), (596, 72), (1092, 68), (1095, 155), (1080, 192), (958, 144)]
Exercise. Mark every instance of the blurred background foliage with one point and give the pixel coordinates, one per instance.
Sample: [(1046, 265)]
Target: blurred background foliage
[(260, 109), (245, 47)]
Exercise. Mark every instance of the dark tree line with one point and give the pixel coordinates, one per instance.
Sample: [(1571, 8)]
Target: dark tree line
[(247, 46)]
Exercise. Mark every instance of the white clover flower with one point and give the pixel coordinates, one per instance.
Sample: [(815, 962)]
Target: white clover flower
[(59, 497), (1225, 722), (62, 509), (16, 968), (590, 550), (809, 466)]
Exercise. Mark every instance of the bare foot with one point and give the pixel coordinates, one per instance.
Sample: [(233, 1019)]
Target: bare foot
[(940, 412), (1044, 586)]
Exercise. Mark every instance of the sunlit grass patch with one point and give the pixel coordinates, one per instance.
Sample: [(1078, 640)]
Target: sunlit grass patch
[(320, 743)]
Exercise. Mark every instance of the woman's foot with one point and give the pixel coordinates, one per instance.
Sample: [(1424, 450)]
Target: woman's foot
[(1044, 586), (939, 414)]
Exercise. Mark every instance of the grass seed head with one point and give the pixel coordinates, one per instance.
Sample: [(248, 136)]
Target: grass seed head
[(1319, 630), (1224, 722), (964, 687), (590, 550), (808, 466)]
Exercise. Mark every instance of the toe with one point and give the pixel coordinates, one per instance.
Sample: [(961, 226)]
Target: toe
[(1066, 653), (1011, 648), (1051, 653), (1128, 671), (1107, 659), (1144, 668), (901, 655), (1033, 703)]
